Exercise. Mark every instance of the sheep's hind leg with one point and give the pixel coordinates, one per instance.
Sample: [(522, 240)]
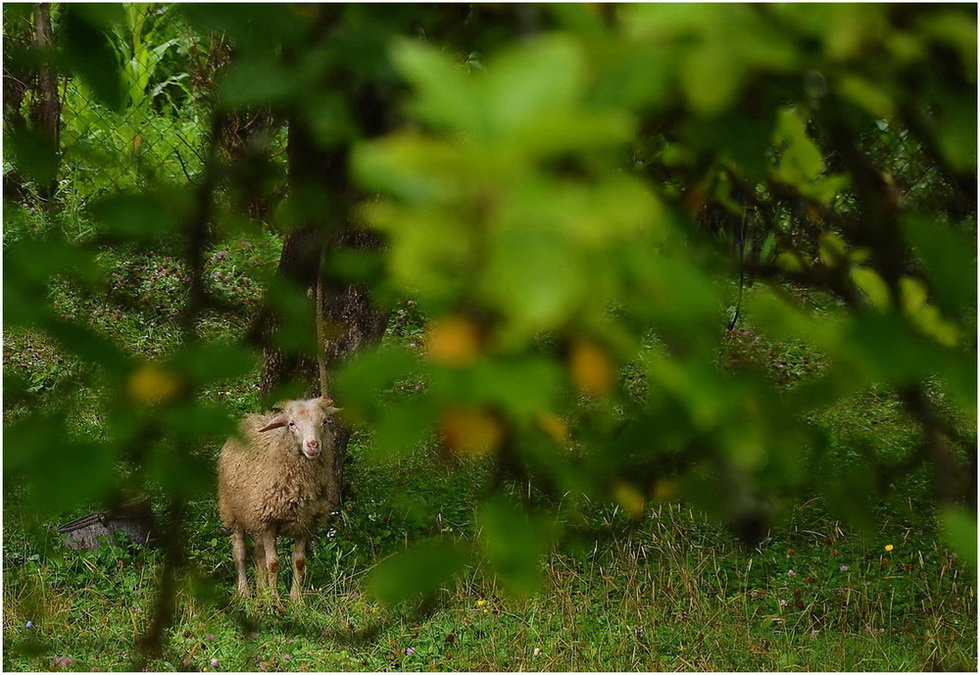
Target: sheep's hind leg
[(299, 569), (239, 554), (268, 538)]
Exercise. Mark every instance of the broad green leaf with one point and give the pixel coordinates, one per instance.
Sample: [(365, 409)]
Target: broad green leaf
[(542, 269), (33, 153), (959, 527), (210, 362), (712, 77), (532, 80), (833, 250), (135, 217), (514, 543), (421, 571), (400, 426), (800, 161), (258, 82), (445, 94), (361, 380), (867, 95), (89, 51), (948, 256), (873, 286)]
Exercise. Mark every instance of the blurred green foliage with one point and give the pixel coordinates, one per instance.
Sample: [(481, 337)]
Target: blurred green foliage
[(560, 190)]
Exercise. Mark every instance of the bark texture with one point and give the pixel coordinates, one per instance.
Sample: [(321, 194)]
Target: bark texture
[(349, 318), (47, 112)]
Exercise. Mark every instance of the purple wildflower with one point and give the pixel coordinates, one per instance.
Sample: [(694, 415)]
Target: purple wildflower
[(791, 573), (844, 568), (29, 624), (410, 650), (214, 662), (783, 603)]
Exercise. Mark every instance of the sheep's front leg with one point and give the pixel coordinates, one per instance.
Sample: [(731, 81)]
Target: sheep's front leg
[(239, 554), (299, 569), (268, 539), (261, 581)]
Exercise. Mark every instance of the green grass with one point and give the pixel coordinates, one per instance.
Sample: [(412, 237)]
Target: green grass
[(672, 590)]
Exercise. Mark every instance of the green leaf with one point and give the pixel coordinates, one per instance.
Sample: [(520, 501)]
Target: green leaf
[(514, 543), (210, 362), (891, 351), (194, 421), (420, 571), (531, 81), (89, 51), (523, 386), (258, 82), (768, 248), (329, 117), (833, 250), (361, 380), (873, 286), (33, 153), (135, 217), (948, 256), (959, 528), (59, 471), (445, 94), (711, 76), (867, 95), (89, 345), (400, 426), (800, 161), (542, 269)]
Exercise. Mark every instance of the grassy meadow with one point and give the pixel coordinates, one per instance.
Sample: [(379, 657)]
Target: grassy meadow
[(666, 589)]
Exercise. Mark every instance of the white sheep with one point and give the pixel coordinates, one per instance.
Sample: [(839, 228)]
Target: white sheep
[(276, 478)]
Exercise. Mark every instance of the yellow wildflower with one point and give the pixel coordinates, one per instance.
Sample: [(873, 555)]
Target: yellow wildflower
[(889, 548)]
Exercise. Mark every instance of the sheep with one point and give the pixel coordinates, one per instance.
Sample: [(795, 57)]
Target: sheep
[(276, 478)]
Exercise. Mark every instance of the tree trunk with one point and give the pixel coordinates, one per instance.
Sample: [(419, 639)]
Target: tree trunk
[(347, 318), (47, 113)]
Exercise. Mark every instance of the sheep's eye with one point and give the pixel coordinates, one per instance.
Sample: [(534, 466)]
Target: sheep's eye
[(325, 422), (292, 425)]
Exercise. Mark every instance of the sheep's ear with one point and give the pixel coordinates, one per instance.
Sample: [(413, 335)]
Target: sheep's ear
[(275, 423), (330, 410)]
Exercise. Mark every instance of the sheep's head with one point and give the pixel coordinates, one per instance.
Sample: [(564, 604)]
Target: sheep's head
[(307, 422)]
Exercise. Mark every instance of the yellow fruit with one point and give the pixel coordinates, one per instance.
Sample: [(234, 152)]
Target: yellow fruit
[(452, 341), (591, 368), (664, 490), (151, 384), (554, 426), (471, 431), (629, 498)]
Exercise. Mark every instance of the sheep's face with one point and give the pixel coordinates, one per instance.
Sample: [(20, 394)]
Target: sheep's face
[(307, 422)]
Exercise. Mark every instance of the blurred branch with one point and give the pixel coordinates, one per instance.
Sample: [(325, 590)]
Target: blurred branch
[(172, 538)]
